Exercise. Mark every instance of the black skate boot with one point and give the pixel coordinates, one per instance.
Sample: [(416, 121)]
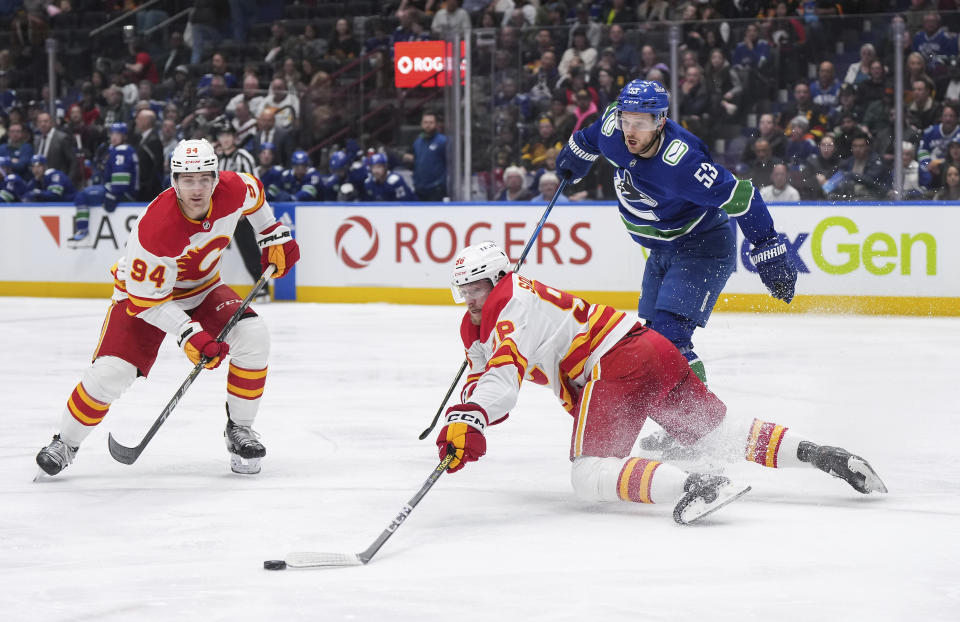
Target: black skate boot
[(244, 447), (705, 494), (841, 463), (56, 456)]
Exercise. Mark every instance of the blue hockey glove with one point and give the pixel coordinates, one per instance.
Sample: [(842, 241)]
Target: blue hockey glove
[(574, 162), (775, 267), (109, 202)]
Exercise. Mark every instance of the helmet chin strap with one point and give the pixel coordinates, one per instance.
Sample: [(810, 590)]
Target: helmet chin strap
[(652, 142)]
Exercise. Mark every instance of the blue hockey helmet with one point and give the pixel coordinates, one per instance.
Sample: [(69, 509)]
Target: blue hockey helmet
[(300, 158), (338, 160), (38, 159), (378, 158), (643, 96), (118, 127), (269, 146)]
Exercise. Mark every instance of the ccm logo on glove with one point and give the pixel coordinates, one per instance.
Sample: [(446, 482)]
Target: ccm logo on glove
[(464, 430)]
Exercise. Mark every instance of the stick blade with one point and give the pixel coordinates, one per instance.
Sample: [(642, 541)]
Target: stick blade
[(322, 560), (120, 453)]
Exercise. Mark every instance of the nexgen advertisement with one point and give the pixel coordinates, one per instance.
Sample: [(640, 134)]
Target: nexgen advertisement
[(900, 259)]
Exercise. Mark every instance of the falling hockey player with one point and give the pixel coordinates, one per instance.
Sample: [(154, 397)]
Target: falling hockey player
[(611, 374), (168, 282)]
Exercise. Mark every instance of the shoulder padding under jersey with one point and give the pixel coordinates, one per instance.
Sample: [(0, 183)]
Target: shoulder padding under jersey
[(496, 301)]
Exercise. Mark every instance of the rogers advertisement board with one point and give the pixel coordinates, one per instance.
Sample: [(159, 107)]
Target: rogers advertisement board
[(421, 63), (414, 246)]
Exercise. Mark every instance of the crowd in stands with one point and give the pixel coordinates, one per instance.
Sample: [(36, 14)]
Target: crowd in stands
[(797, 96)]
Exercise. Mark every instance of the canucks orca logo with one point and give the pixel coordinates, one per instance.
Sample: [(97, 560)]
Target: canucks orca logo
[(632, 198)]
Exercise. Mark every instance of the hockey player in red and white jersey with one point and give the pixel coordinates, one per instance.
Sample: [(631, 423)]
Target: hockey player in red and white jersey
[(168, 283), (610, 373)]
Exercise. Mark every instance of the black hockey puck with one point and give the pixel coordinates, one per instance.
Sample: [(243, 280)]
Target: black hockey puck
[(274, 564)]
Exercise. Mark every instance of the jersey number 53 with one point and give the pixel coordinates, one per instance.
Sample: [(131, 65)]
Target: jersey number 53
[(706, 174)]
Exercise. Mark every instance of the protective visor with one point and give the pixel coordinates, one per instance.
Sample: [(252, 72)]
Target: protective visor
[(458, 296), (637, 122)]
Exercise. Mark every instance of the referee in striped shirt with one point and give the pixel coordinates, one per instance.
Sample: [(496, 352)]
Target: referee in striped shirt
[(233, 158)]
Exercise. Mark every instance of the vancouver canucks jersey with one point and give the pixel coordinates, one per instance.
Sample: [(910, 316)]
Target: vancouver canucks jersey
[(307, 188), (53, 186), (272, 180), (676, 192), (120, 172), (392, 188), (12, 188)]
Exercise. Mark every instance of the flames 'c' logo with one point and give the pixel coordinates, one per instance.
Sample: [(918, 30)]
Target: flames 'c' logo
[(198, 262), (362, 236)]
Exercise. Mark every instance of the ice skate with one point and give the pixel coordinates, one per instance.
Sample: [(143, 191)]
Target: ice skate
[(80, 239), (56, 456), (705, 494), (839, 462), (244, 447)]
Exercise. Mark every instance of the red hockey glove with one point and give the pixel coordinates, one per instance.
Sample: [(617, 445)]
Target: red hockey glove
[(278, 248), (464, 429), (197, 343)]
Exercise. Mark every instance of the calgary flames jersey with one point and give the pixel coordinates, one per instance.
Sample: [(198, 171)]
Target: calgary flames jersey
[(531, 331), (171, 262)]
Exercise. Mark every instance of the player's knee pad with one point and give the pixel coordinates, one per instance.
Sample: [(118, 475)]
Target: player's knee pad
[(108, 378), (595, 479), (250, 343), (676, 328)]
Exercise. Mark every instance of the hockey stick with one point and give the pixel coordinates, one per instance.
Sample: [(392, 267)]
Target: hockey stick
[(516, 268), (327, 560), (129, 455)]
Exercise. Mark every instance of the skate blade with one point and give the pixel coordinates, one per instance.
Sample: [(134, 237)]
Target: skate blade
[(244, 466), (86, 242), (871, 481), (693, 512)]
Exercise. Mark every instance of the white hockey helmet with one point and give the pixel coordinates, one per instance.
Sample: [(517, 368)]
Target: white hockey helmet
[(481, 261), (194, 156)]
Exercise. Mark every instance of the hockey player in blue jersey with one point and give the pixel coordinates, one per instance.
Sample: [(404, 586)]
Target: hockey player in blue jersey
[(382, 184), (119, 185), (301, 181), (48, 184), (12, 187), (270, 174), (676, 201), (339, 161)]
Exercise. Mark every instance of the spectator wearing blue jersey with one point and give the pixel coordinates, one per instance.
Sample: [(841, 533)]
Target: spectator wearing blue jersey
[(12, 186), (48, 184), (18, 148), (677, 202), (825, 90), (936, 139), (119, 185), (801, 144), (428, 155), (382, 184), (752, 52), (301, 180), (935, 43)]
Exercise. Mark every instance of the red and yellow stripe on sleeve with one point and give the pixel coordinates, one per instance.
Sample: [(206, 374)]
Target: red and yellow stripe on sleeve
[(84, 408), (260, 197), (763, 443), (635, 479), (246, 384), (602, 320), (508, 354), (137, 305)]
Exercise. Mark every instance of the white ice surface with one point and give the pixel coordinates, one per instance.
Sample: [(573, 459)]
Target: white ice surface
[(176, 536)]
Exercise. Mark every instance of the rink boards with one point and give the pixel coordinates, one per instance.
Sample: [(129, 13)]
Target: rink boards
[(870, 259)]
